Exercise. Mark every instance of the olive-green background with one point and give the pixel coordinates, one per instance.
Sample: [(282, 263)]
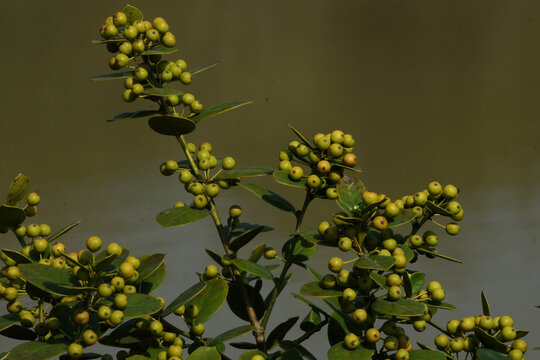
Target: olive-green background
[(445, 90)]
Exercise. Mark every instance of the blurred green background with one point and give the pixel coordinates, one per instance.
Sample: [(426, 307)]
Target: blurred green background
[(445, 90)]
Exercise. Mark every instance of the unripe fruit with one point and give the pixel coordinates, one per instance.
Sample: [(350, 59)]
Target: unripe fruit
[(351, 341), (450, 191), (270, 253), (228, 163), (337, 136), (442, 342), (348, 141), (323, 167), (141, 74), (296, 173), (506, 321), (454, 207), (120, 301), (335, 150), (116, 318), (114, 249), (416, 240), (349, 160), (81, 317), (515, 354), (75, 350), (89, 337), (456, 345), (402, 354), (197, 329), (394, 280), (331, 234), (521, 345), (118, 283), (349, 294), (33, 230), (434, 188), (335, 264), (191, 312), (129, 96), (380, 222), (369, 197), (212, 190), (452, 229), (211, 271), (169, 40), (313, 181), (485, 323), (257, 357), (328, 281), (323, 143), (452, 326), (33, 199), (332, 193), (104, 312), (343, 276), (85, 257), (394, 293), (200, 201), (40, 245), (432, 285), (508, 333), (438, 295), (420, 325), (185, 78), (345, 244), (373, 335)]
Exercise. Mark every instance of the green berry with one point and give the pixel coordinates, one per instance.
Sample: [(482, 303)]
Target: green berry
[(335, 264), (435, 188), (138, 46), (328, 281), (182, 64), (44, 230), (89, 337), (173, 100), (332, 193), (212, 190), (296, 173), (442, 342), (152, 35), (40, 245), (335, 150), (351, 341), (130, 32), (211, 271), (196, 106), (345, 244), (200, 201), (373, 335), (313, 181), (394, 293), (450, 191), (33, 199), (141, 73), (75, 350), (235, 211), (228, 163), (452, 229), (169, 40), (156, 328), (349, 294), (197, 329), (185, 78)]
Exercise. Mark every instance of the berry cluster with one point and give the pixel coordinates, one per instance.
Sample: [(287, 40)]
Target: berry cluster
[(327, 158), (200, 182)]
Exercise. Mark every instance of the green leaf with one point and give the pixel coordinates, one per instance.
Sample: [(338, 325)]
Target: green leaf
[(140, 305), (149, 264), (409, 254), (247, 355), (241, 240), (113, 76), (36, 350), (11, 216), (401, 307), (205, 353), (126, 335), (489, 354), (160, 50), (379, 279), (350, 192), (298, 250), (355, 168), (426, 355), (61, 232), (282, 177), (279, 332), (184, 297), (180, 216), (202, 68), (18, 332), (154, 281), (489, 340), (132, 14), (50, 279), (485, 305), (235, 300), (436, 209), (436, 254), (163, 92), (133, 114), (253, 268), (311, 320), (231, 334), (8, 320), (288, 345), (210, 300), (269, 196), (17, 189), (340, 352), (244, 172), (300, 136), (441, 305), (16, 256), (313, 289), (405, 216), (418, 280), (107, 262), (171, 125), (375, 262), (257, 253), (218, 109)]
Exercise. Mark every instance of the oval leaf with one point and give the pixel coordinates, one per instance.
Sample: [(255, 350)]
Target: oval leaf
[(8, 320), (205, 353), (488, 354), (238, 242), (140, 305), (350, 192), (257, 253), (11, 216), (235, 300), (132, 14), (244, 172), (171, 125), (375, 262), (133, 114), (269, 196), (282, 177), (489, 340), (18, 257), (180, 216), (35, 350), (218, 109), (313, 289), (50, 279), (231, 334), (149, 264), (426, 355), (17, 189), (154, 281), (418, 280), (279, 332), (298, 250), (210, 300), (401, 307), (253, 268), (405, 216), (114, 76), (340, 352), (184, 298)]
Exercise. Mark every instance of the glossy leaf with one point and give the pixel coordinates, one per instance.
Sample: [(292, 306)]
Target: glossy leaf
[(184, 298), (241, 240), (171, 125), (298, 250), (244, 172), (409, 254), (257, 253), (350, 192), (379, 279), (436, 209), (441, 305), (149, 264), (202, 68), (11, 216), (205, 353), (132, 14), (235, 300), (269, 196), (375, 262), (231, 334), (154, 281), (18, 332), (300, 136), (418, 280), (62, 231), (489, 354), (8, 320), (180, 216), (249, 354), (133, 115), (426, 355), (405, 216), (485, 305), (308, 303), (218, 109), (113, 76), (210, 300), (253, 268), (108, 262), (340, 352), (489, 340), (436, 254), (311, 320), (36, 350), (279, 332), (291, 345), (159, 50), (140, 305), (17, 189), (126, 335), (401, 307), (282, 177), (313, 289), (50, 279), (16, 256), (164, 92), (355, 168)]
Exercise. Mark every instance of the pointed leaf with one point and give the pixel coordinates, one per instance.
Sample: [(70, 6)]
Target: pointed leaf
[(215, 256), (405, 216), (113, 76), (355, 168), (340, 352), (257, 253), (171, 125), (132, 14), (11, 216), (8, 320), (441, 305), (426, 355), (205, 353), (282, 177), (485, 305), (375, 262), (313, 289), (249, 354), (17, 189), (231, 334), (50, 279), (149, 264), (61, 232), (16, 256), (311, 320), (180, 216), (300, 136), (35, 350), (243, 227), (489, 340), (489, 354), (244, 172), (418, 280), (436, 209), (288, 345), (298, 250), (18, 332), (183, 298), (154, 281), (133, 114), (279, 332), (269, 196), (163, 92), (401, 307), (126, 335), (160, 50), (350, 192), (202, 68), (379, 279), (210, 300), (409, 254), (235, 300), (140, 305), (238, 242), (218, 109), (436, 254), (253, 268)]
